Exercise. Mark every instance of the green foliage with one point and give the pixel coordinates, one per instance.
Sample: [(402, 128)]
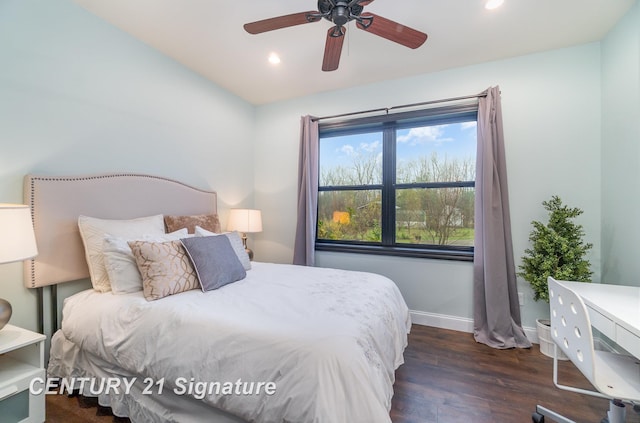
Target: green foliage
[(557, 250), (375, 234), (442, 216)]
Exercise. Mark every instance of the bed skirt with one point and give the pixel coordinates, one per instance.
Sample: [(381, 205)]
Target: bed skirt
[(76, 367)]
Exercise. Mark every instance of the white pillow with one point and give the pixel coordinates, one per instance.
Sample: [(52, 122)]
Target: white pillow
[(120, 263), (236, 243), (93, 231)]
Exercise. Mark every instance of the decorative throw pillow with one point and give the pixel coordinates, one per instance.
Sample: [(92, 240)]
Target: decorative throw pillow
[(209, 222), (93, 231), (214, 260), (165, 268), (120, 263), (236, 244)]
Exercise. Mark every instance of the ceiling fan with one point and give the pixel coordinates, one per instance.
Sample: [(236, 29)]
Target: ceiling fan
[(341, 12)]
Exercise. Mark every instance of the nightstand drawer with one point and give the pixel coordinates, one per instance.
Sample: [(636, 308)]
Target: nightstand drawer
[(15, 408), (21, 360), (17, 404)]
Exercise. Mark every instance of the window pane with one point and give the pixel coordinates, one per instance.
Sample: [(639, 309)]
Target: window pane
[(350, 215), (351, 160), (439, 153), (440, 216)]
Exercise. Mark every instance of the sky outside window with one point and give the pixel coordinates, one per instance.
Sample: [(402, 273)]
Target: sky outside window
[(455, 141)]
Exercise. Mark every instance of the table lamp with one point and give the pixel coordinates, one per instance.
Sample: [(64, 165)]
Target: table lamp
[(245, 221), (17, 243)]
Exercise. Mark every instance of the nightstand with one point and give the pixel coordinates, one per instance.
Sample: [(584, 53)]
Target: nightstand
[(21, 360)]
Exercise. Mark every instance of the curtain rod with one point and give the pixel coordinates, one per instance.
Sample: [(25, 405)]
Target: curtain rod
[(404, 106)]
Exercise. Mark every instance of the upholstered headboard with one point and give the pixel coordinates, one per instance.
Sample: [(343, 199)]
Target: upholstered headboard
[(57, 201)]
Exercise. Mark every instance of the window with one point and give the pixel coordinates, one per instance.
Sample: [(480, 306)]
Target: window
[(399, 184)]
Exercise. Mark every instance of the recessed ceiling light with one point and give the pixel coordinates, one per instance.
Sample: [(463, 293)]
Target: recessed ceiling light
[(493, 4), (274, 59)]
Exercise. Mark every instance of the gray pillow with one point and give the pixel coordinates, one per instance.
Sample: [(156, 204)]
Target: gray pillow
[(214, 260), (236, 244)]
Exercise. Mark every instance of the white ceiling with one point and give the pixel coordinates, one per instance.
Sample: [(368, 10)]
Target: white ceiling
[(207, 36)]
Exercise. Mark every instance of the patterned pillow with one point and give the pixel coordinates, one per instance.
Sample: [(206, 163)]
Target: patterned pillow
[(209, 222), (165, 268), (120, 263)]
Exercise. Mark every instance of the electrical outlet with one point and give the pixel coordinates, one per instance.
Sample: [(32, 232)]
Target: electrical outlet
[(521, 298)]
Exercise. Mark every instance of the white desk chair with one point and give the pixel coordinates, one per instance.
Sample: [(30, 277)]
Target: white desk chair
[(614, 376)]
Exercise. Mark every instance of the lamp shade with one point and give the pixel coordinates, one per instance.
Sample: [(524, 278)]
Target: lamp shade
[(17, 240), (245, 220)]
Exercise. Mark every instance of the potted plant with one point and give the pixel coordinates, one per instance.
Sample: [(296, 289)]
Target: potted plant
[(557, 250)]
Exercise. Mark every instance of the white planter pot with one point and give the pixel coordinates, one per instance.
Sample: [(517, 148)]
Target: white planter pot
[(546, 343)]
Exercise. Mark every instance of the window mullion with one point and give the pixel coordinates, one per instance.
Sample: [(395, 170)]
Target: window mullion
[(388, 182)]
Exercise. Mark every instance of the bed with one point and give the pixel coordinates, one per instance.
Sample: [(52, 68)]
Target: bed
[(283, 343)]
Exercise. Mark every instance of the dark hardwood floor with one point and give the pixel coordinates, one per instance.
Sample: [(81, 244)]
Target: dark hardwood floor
[(448, 378)]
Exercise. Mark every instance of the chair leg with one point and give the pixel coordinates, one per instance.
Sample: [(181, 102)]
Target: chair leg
[(617, 412), (542, 412)]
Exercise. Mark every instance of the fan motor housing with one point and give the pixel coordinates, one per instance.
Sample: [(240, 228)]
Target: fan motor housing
[(339, 12)]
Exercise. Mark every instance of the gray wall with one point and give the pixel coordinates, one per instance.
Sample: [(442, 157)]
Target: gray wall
[(621, 151), (551, 108), (79, 96)]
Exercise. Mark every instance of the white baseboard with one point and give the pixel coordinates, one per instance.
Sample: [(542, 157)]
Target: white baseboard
[(532, 334), (442, 321), (461, 324), (465, 324)]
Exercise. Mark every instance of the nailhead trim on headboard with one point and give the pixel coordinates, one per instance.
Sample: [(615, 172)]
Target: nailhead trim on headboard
[(175, 207)]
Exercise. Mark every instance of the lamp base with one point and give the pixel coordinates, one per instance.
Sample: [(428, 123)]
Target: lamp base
[(247, 249), (5, 312)]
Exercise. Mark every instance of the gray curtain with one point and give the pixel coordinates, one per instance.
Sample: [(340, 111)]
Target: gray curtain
[(496, 310), (303, 251)]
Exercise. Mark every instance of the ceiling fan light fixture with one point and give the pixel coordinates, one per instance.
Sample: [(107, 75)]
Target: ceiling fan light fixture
[(493, 4), (274, 59)]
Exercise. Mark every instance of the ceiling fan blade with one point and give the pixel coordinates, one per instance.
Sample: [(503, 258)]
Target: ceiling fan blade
[(279, 22), (394, 31), (360, 2), (332, 50)]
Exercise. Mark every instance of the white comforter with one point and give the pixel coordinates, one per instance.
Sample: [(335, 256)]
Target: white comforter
[(330, 340)]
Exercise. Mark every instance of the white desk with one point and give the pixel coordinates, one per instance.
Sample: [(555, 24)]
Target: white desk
[(614, 310)]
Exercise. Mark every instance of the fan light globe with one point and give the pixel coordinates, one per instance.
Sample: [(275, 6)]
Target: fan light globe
[(493, 4), (274, 59)]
